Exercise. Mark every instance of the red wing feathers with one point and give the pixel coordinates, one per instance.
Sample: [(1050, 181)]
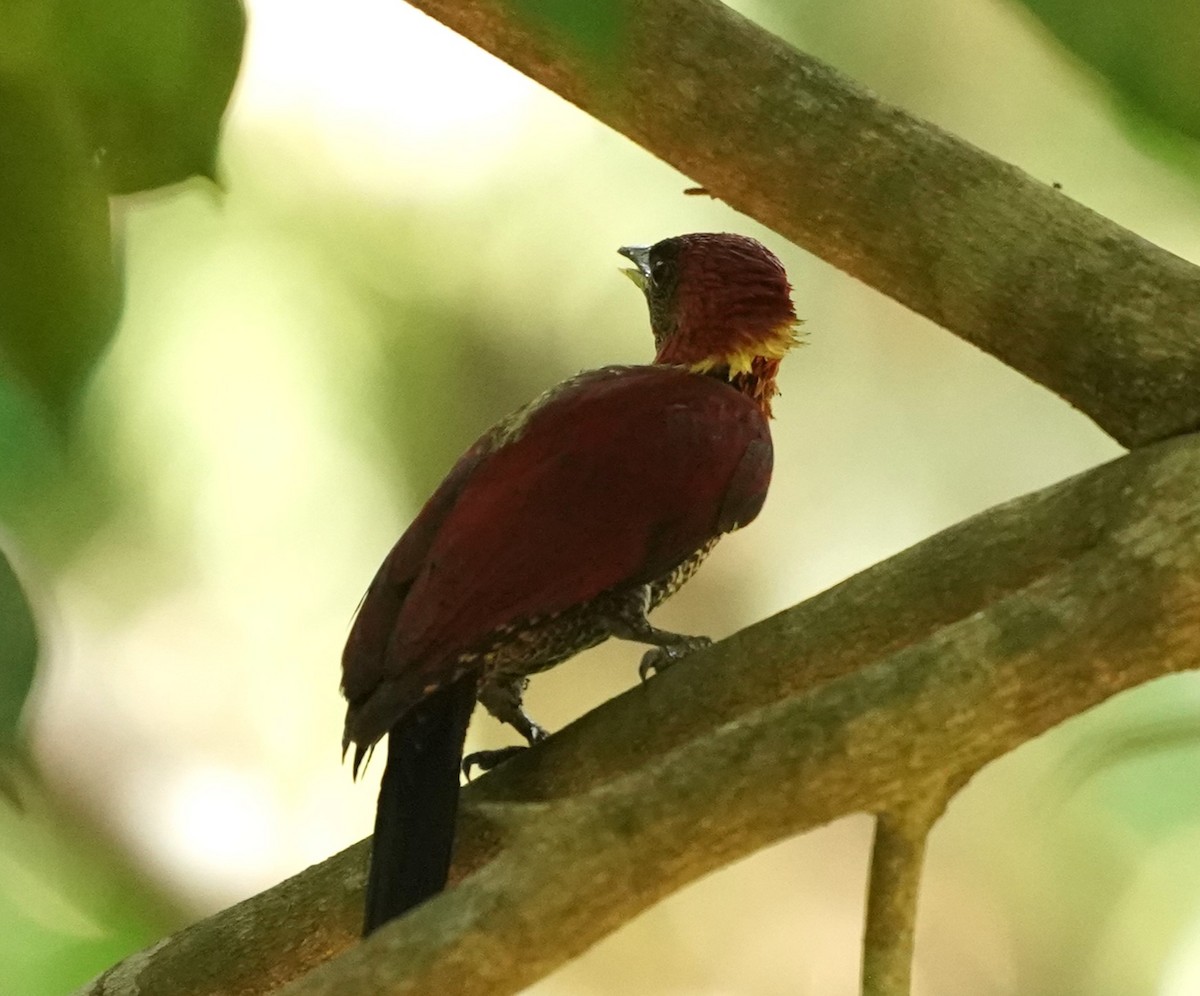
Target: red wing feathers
[(747, 487)]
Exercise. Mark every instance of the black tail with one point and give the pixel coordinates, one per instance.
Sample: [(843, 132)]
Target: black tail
[(418, 803)]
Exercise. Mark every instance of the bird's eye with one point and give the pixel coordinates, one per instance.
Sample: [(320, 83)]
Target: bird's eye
[(658, 268)]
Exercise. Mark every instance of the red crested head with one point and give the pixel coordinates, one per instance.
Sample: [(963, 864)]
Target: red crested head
[(719, 304)]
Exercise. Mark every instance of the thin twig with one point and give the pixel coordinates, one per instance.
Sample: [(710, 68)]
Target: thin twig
[(897, 856)]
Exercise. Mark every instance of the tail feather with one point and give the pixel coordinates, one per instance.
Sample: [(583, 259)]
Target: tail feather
[(418, 804)]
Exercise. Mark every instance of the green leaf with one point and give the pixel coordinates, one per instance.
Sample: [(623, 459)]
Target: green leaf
[(594, 28), (1148, 50), (18, 654), (151, 79), (59, 291), (31, 458)]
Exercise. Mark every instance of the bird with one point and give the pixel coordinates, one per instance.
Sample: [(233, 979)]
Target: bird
[(563, 525)]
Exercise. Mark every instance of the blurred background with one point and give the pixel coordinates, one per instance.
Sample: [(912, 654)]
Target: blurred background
[(410, 239)]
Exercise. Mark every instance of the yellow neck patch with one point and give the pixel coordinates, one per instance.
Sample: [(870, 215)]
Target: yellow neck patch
[(741, 360)]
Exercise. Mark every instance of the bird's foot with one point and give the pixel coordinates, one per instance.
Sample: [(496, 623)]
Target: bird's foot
[(485, 760), (661, 658)]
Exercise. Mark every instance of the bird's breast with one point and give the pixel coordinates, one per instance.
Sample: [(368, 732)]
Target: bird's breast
[(528, 646)]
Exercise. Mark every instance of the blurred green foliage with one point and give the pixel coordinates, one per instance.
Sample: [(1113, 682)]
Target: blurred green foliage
[(94, 99), (148, 81), (59, 293), (18, 653), (151, 81), (1148, 50), (70, 903)]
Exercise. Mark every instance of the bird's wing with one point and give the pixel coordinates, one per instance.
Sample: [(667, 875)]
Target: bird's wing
[(612, 481)]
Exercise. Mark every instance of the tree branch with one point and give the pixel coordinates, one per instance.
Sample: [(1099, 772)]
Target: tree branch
[(1095, 313), (878, 695)]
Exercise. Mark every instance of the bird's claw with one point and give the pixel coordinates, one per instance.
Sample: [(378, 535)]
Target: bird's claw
[(661, 658), (485, 760)]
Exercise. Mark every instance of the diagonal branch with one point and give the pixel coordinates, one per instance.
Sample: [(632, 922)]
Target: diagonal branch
[(1095, 313), (878, 695)]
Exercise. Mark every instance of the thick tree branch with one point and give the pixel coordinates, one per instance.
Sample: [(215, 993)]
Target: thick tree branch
[(1095, 313), (879, 695)]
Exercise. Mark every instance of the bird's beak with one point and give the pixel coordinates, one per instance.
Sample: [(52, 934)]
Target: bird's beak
[(640, 271)]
